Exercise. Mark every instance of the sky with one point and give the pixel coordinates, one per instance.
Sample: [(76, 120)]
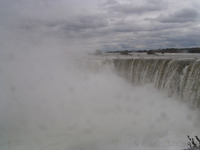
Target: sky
[(91, 25)]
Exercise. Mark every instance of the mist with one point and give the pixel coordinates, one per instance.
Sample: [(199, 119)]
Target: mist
[(51, 99)]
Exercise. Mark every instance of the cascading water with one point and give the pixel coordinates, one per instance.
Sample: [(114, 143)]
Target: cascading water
[(177, 77)]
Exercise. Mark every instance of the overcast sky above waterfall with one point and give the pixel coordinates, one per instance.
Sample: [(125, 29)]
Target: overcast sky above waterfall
[(105, 25)]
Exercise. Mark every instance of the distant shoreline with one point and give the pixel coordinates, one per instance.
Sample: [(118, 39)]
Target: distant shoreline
[(153, 51)]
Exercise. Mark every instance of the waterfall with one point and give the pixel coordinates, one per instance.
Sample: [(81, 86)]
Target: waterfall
[(177, 77)]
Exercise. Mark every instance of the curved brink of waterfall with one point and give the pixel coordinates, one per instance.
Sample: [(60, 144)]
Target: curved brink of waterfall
[(177, 77)]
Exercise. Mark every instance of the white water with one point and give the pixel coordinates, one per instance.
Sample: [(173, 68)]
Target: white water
[(177, 77), (49, 103)]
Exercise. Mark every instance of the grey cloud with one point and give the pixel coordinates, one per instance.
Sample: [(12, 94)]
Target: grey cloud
[(142, 26), (191, 38), (165, 37), (109, 3), (79, 26), (124, 29), (85, 22), (120, 45), (114, 25), (113, 6), (127, 26), (171, 38), (181, 16)]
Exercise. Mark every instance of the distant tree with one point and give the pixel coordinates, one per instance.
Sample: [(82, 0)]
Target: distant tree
[(150, 52), (124, 52)]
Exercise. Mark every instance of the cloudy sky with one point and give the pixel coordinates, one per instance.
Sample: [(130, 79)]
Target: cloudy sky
[(103, 25)]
